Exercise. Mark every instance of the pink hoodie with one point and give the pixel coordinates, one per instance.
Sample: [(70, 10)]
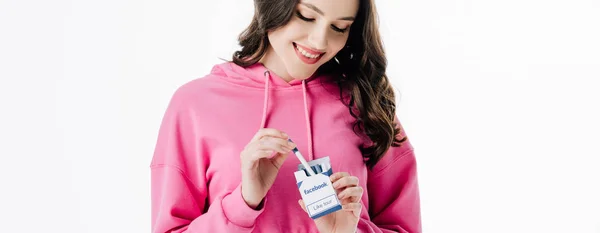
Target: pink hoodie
[(196, 169)]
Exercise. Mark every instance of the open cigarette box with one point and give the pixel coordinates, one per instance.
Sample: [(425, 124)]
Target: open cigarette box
[(317, 191)]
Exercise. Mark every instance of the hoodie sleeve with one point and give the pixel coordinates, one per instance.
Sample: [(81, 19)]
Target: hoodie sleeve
[(393, 191), (179, 195)]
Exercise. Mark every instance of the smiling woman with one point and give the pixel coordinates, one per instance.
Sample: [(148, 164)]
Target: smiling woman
[(322, 63)]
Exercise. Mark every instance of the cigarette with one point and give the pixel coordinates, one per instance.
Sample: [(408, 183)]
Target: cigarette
[(302, 160)]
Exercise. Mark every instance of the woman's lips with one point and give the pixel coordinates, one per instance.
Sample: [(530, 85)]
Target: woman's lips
[(305, 59)]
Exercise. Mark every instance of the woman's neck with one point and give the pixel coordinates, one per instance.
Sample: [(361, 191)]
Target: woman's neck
[(274, 64)]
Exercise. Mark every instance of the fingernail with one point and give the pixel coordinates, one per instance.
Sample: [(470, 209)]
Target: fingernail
[(284, 134), (291, 144), (336, 184), (340, 196)]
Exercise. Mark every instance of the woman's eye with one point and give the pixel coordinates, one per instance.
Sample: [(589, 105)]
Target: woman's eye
[(310, 20), (302, 17), (338, 29)]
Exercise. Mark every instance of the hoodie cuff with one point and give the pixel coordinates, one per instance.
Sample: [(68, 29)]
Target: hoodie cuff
[(238, 212)]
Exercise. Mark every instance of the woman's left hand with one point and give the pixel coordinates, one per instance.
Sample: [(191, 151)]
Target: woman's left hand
[(350, 195)]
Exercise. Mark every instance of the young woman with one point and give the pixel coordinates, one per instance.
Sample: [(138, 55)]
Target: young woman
[(309, 70)]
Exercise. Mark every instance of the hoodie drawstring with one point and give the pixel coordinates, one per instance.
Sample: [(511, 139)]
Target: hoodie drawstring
[(306, 114), (266, 99), (308, 131)]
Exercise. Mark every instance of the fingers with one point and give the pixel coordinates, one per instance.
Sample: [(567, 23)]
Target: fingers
[(267, 145), (350, 199), (279, 159), (301, 203), (269, 132), (274, 143), (351, 192), (345, 181), (335, 176), (347, 187), (355, 208), (352, 206)]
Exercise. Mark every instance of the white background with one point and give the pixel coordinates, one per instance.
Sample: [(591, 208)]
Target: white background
[(500, 99)]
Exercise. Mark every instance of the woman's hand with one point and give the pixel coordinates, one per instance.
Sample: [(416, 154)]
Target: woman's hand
[(350, 195), (260, 163)]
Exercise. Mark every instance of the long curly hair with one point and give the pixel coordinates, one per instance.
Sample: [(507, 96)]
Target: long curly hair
[(359, 69)]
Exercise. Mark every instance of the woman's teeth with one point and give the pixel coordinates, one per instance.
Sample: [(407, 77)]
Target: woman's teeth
[(307, 54)]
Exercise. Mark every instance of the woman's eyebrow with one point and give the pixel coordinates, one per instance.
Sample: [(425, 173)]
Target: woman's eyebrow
[(313, 7)]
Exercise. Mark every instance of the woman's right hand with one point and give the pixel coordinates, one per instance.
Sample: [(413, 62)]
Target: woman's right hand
[(260, 163)]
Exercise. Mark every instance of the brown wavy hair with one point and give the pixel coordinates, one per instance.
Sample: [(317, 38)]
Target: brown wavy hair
[(359, 69)]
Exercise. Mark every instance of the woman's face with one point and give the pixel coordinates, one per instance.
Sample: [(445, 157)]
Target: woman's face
[(314, 35)]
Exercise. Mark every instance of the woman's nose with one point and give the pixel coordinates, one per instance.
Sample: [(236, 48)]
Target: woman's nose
[(318, 39)]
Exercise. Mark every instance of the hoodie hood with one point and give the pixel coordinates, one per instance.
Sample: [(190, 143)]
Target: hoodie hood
[(258, 76), (253, 76)]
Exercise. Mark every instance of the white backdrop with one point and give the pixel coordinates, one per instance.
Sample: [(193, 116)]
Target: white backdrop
[(500, 99)]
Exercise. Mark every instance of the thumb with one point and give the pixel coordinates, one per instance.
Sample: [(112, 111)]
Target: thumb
[(301, 203), (279, 158)]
